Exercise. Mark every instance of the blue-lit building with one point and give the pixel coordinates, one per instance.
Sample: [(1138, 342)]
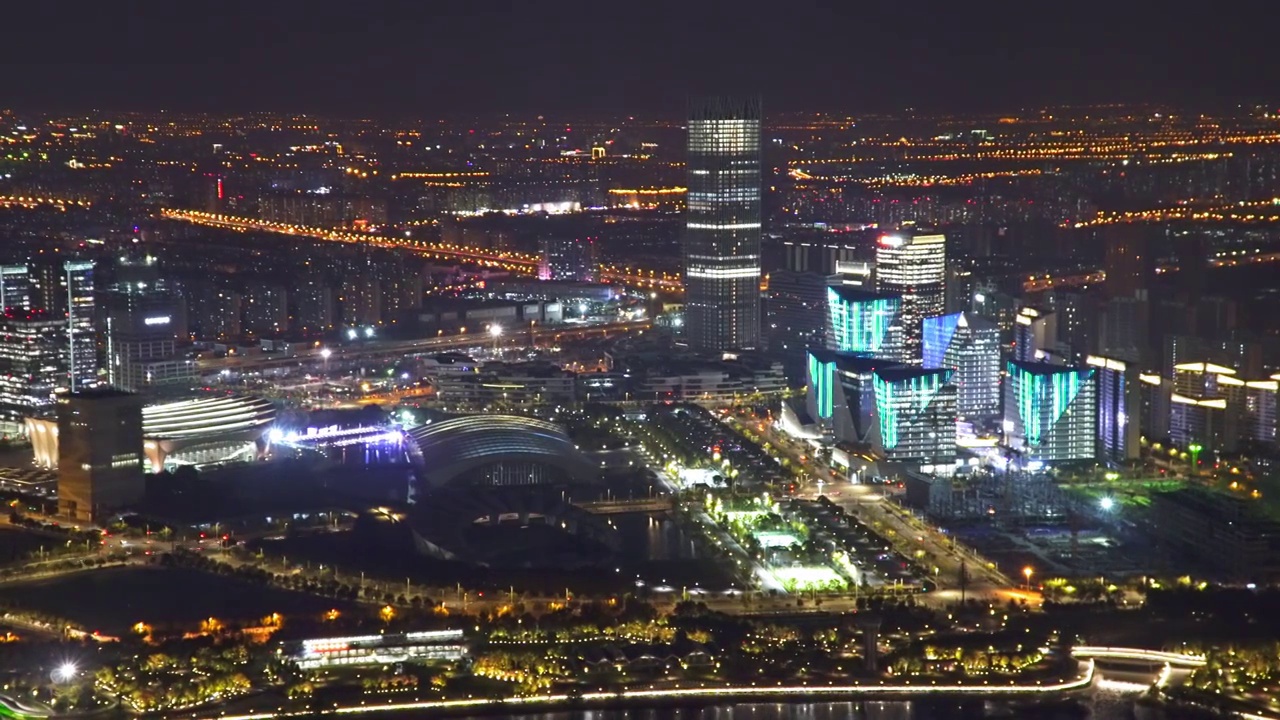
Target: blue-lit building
[(970, 345), (1051, 411), (862, 321), (899, 412), (1119, 403)]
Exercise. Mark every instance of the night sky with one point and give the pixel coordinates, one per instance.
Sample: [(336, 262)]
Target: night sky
[(435, 58)]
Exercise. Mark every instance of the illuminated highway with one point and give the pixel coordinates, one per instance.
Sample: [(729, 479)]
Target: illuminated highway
[(510, 261), (655, 280), (33, 201), (337, 355)]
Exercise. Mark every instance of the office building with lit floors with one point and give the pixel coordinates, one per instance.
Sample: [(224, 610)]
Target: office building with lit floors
[(1051, 412), (970, 345), (1119, 403), (900, 413), (65, 292), (31, 366), (912, 263), (861, 321), (100, 462), (722, 228), (72, 296), (1035, 334)]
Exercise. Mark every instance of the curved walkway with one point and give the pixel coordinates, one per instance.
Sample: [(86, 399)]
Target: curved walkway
[(780, 693), (1093, 652)]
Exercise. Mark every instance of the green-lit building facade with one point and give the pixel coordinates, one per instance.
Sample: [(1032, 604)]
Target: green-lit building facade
[(1051, 412), (901, 413), (863, 322)]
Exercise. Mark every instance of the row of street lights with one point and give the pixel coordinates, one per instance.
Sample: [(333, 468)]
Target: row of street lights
[(495, 331)]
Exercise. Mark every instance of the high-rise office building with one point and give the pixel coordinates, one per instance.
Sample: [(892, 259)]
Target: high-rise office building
[(1035, 334), (916, 411), (1205, 407), (902, 413), (82, 342), (913, 264), (1119, 403), (145, 316), (32, 365), (863, 322), (63, 291), (1260, 410), (1051, 411), (15, 287), (722, 228), (970, 345), (99, 453)]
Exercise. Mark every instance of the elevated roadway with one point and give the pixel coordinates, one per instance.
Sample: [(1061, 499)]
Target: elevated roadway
[(375, 349)]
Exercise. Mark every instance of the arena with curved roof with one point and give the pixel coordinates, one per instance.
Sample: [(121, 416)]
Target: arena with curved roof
[(497, 450), (186, 432), (206, 429)]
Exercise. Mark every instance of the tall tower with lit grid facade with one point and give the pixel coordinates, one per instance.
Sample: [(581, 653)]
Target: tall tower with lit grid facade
[(722, 228)]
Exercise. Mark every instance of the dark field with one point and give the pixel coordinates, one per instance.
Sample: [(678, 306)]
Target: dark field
[(111, 601)]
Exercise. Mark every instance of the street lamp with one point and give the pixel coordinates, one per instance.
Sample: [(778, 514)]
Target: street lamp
[(1027, 572), (66, 672), (324, 355), (495, 330), (1195, 449)]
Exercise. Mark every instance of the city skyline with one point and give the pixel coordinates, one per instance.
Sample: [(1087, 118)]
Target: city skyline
[(570, 356)]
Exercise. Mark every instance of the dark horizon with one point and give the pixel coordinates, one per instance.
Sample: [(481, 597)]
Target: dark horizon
[(385, 59)]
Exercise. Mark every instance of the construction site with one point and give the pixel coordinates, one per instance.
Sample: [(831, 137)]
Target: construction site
[(1027, 521)]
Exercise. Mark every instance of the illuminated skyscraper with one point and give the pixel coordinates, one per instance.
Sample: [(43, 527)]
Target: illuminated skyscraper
[(902, 413), (15, 287), (1119, 400), (32, 365), (722, 228), (82, 343), (970, 345), (1051, 411), (62, 291), (1035, 334), (862, 322), (144, 317), (913, 264)]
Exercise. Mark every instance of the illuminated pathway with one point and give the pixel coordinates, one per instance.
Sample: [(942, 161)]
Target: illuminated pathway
[(880, 691)]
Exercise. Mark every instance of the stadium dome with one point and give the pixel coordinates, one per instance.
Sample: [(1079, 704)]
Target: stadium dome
[(497, 450)]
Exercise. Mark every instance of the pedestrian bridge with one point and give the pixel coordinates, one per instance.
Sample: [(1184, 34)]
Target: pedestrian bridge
[(1178, 660)]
